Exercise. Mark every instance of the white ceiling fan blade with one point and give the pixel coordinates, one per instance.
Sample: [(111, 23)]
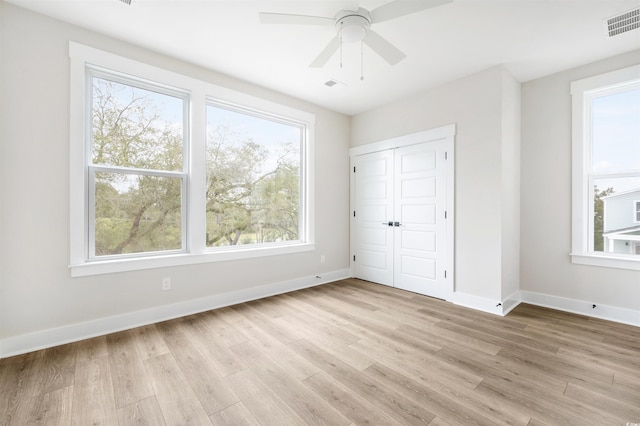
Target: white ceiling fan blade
[(352, 6), (326, 53), (382, 47), (399, 8), (285, 18)]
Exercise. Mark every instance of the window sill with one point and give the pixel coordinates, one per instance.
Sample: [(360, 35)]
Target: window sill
[(152, 262), (620, 261)]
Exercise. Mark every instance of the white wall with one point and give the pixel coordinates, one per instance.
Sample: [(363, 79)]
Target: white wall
[(510, 185), (546, 198), (38, 298), (487, 203)]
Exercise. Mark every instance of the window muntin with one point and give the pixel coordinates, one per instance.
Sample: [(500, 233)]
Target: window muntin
[(606, 168), (137, 182), (254, 173)]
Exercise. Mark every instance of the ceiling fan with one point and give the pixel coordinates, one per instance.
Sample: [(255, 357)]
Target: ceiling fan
[(355, 25)]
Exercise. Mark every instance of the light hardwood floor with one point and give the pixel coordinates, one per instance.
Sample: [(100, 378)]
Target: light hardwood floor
[(346, 353)]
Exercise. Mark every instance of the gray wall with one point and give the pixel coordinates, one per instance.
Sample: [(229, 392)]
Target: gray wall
[(546, 267)]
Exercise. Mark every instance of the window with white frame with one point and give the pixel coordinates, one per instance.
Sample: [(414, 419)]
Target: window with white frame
[(606, 169), (169, 170), (136, 170), (636, 211), (253, 178)]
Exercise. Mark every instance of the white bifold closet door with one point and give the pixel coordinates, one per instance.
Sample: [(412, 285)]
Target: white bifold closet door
[(400, 218)]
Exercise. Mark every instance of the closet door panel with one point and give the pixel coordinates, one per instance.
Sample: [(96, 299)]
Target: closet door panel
[(419, 205), (373, 210)]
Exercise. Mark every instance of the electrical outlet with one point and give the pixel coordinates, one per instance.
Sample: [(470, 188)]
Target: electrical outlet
[(166, 283), (322, 258)]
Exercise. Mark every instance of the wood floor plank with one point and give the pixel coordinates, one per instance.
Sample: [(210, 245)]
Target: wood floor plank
[(197, 368), (53, 408), (145, 412), (217, 352), (130, 381), (56, 368), (442, 338), (236, 415), (548, 407), (308, 405), (503, 369), (553, 366), (224, 330), (350, 404), (424, 367), (392, 403), (17, 386), (265, 323), (297, 366), (92, 348), (93, 398), (178, 403), (306, 303), (610, 407), (304, 324), (261, 401), (499, 336), (356, 359), (455, 409), (149, 341)]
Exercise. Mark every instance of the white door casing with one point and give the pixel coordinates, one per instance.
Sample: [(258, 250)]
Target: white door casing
[(408, 181)]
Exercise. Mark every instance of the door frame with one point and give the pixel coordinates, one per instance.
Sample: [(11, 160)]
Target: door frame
[(444, 133)]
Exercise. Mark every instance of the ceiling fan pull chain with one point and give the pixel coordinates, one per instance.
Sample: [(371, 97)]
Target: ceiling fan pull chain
[(341, 27), (361, 60)]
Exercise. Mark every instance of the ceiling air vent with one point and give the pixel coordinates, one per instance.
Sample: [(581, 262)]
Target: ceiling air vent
[(623, 22), (126, 2), (332, 82)]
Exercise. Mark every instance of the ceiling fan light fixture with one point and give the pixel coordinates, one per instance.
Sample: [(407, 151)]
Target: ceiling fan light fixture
[(352, 28)]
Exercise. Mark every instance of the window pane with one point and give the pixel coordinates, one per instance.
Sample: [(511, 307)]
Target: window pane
[(253, 179), (134, 127), (616, 132), (616, 229), (137, 213)]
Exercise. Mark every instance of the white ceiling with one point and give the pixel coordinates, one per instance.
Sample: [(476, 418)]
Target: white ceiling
[(532, 38)]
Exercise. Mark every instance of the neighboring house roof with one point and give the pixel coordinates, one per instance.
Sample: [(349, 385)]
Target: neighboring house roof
[(628, 230), (622, 193)]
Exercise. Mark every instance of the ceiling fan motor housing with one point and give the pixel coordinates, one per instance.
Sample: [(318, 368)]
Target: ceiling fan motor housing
[(352, 26)]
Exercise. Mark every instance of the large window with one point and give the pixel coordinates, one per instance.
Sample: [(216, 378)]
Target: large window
[(253, 178), (606, 169), (137, 178), (170, 170)]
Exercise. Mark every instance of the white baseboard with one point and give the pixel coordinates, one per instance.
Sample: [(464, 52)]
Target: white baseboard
[(477, 302), (491, 306), (30, 342), (606, 312), (510, 302)]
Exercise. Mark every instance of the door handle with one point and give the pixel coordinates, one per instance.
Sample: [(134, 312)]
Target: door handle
[(396, 223), (388, 223)]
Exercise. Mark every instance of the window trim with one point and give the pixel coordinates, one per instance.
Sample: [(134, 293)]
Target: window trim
[(302, 218), (582, 91), (83, 57)]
